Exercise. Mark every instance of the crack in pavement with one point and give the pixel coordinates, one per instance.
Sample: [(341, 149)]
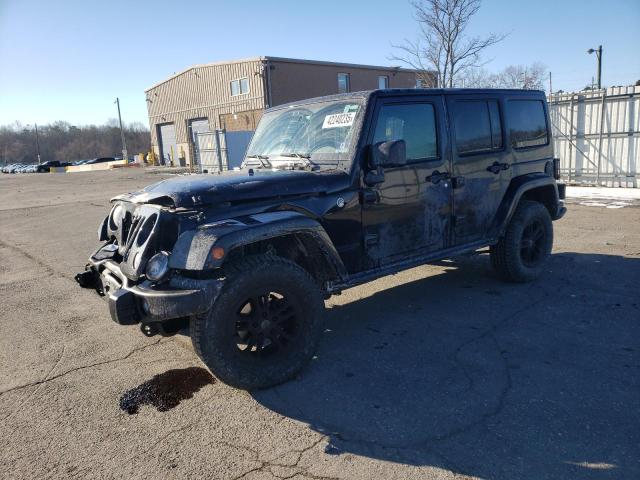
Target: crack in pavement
[(400, 451), (25, 253), (46, 377), (269, 464), (88, 202), (82, 367), (263, 465)]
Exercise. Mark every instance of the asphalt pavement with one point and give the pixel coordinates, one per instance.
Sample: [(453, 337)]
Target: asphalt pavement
[(439, 372)]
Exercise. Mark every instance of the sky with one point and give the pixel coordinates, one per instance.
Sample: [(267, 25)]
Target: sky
[(69, 59)]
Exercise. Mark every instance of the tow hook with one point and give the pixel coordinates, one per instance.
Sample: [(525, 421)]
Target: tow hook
[(87, 279), (149, 329)]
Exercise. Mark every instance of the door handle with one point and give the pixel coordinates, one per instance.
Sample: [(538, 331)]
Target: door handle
[(497, 167), (436, 177), (369, 196)]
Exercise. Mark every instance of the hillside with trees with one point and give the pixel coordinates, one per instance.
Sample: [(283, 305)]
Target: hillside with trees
[(66, 143)]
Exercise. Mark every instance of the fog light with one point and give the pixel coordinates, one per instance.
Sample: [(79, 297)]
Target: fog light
[(158, 266), (217, 253)]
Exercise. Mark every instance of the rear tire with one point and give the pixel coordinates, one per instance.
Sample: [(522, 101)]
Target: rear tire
[(519, 256), (265, 325)]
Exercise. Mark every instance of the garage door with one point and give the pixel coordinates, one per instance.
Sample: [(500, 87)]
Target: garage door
[(167, 142), (197, 125)]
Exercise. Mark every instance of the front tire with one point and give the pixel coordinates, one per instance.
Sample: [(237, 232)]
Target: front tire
[(519, 256), (265, 325)]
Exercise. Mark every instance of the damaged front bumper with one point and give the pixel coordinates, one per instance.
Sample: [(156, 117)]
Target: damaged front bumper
[(154, 306)]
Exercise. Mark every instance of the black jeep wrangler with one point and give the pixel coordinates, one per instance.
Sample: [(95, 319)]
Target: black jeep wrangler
[(333, 192)]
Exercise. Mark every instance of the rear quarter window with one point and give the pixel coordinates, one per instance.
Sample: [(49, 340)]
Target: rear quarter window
[(527, 123)]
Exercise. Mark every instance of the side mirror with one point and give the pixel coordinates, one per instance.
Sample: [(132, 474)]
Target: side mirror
[(388, 154)]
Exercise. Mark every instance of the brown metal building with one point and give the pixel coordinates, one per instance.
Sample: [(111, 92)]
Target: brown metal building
[(232, 95)]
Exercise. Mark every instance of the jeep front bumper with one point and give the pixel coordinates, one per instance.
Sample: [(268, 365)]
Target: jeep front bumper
[(146, 302)]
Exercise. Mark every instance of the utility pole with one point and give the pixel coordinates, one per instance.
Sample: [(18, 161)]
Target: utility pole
[(37, 143), (124, 144), (598, 52), (550, 88)]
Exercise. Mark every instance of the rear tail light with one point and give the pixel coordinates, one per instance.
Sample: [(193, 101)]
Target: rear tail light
[(556, 168)]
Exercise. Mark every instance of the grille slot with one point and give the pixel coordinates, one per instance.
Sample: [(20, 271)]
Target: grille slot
[(145, 235)]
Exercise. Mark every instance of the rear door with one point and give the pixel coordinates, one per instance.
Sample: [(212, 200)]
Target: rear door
[(409, 212), (481, 163)]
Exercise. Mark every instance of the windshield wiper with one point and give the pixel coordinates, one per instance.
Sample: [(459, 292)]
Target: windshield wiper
[(296, 155), (304, 157), (264, 159)]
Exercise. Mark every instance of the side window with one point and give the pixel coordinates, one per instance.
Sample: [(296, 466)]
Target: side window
[(527, 123), (413, 123), (477, 126)]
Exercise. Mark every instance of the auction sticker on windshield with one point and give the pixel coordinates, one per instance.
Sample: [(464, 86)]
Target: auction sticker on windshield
[(339, 120)]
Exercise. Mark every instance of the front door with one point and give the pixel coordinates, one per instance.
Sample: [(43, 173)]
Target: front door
[(408, 213), (481, 165)]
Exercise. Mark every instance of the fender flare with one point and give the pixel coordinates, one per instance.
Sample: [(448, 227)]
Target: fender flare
[(192, 250), (517, 188)]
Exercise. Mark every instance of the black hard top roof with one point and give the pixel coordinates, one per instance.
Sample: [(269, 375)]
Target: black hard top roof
[(365, 94)]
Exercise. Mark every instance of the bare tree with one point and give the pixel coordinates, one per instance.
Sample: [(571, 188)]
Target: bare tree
[(530, 77), (443, 46), (478, 78)]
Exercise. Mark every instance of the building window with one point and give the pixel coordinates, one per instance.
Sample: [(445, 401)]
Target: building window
[(527, 123), (477, 126), (240, 86), (383, 81), (343, 83), (418, 83)]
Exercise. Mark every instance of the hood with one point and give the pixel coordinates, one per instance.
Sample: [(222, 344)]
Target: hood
[(206, 189)]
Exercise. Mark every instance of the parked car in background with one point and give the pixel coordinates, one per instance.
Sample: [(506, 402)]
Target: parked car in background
[(44, 167), (93, 161)]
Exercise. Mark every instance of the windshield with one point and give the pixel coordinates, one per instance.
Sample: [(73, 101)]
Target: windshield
[(321, 133)]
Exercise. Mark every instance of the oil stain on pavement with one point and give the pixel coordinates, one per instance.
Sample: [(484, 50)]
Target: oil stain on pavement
[(166, 390)]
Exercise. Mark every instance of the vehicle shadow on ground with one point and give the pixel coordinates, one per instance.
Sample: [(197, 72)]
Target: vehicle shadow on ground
[(462, 371)]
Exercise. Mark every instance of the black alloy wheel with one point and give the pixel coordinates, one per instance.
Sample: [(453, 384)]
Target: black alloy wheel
[(266, 324)]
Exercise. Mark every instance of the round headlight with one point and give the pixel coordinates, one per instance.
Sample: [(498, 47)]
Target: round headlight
[(157, 266)]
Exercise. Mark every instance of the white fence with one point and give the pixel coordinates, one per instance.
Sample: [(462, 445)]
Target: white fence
[(597, 135)]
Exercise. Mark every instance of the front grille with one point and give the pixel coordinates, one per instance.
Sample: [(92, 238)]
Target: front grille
[(140, 232)]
